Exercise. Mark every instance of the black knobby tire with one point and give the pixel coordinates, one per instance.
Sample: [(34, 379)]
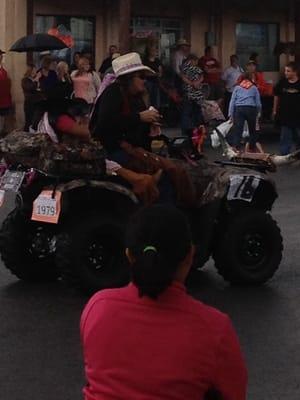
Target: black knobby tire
[(25, 248), (250, 249), (91, 255)]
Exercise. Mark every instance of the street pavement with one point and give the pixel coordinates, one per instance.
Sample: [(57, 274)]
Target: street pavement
[(40, 354)]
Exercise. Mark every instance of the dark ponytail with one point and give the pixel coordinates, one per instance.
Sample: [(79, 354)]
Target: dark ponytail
[(159, 239)]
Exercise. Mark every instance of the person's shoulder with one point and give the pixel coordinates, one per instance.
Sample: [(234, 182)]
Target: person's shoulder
[(206, 314), (108, 296), (113, 89), (282, 82)]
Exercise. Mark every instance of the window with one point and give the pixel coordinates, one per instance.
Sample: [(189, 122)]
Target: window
[(260, 38), (166, 30), (76, 32)]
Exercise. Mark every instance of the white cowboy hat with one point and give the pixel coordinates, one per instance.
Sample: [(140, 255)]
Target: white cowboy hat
[(128, 64)]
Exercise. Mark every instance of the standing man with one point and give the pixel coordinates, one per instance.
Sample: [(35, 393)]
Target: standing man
[(286, 108), (107, 63), (181, 54), (230, 77), (5, 93)]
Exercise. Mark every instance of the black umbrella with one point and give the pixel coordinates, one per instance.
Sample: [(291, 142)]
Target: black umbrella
[(38, 42)]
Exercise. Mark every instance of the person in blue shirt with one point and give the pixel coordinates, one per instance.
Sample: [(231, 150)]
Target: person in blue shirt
[(245, 105)]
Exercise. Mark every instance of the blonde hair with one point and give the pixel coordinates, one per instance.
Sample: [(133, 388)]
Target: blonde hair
[(62, 69)]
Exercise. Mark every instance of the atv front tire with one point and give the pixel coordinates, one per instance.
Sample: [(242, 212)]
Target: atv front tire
[(91, 255), (249, 250), (26, 248)]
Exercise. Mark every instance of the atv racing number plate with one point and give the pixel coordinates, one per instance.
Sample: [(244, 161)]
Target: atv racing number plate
[(47, 207), (12, 180), (243, 187)]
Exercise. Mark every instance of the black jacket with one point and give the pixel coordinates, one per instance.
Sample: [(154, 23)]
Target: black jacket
[(117, 119)]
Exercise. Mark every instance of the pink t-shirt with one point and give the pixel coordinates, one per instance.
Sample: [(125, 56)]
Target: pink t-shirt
[(175, 348), (86, 86)]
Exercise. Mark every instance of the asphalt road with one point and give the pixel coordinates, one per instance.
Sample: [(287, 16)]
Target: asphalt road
[(40, 355)]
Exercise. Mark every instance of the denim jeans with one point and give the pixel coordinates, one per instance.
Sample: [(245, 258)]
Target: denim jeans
[(191, 117), (288, 137), (241, 115)]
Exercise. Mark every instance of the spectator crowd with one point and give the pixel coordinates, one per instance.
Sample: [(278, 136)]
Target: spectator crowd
[(194, 91)]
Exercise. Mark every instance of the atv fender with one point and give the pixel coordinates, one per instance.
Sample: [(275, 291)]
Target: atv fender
[(242, 185), (105, 185)]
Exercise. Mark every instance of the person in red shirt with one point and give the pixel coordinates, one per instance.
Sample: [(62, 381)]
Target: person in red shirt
[(212, 75), (265, 89), (151, 340), (210, 66), (5, 93), (66, 121)]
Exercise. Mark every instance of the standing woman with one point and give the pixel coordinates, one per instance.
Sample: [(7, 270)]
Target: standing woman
[(86, 82), (152, 83), (32, 94), (48, 77), (245, 105), (63, 88), (5, 93)]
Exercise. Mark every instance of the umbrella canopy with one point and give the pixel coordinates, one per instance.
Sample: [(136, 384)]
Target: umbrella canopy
[(37, 42)]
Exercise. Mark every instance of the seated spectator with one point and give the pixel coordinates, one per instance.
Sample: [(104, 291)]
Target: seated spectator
[(151, 340), (66, 121), (32, 94)]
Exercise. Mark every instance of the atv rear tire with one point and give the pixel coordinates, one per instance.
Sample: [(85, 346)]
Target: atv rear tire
[(91, 255), (25, 248), (249, 250)]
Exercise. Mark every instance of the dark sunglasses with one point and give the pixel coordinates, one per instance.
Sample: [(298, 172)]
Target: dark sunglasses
[(141, 75)]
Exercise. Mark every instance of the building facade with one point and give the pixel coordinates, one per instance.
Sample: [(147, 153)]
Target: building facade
[(231, 26)]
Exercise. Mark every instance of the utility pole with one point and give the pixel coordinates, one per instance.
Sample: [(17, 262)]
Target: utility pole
[(124, 25)]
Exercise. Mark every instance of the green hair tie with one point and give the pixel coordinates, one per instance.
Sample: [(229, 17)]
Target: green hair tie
[(150, 248)]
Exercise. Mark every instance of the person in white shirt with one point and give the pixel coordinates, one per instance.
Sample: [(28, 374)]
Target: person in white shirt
[(230, 77)]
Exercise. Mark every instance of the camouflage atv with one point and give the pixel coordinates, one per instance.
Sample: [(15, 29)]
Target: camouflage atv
[(70, 227)]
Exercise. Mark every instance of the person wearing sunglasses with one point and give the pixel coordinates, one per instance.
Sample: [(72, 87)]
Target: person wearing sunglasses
[(120, 114)]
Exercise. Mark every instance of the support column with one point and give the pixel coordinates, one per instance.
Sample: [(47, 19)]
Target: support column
[(13, 25), (124, 25)]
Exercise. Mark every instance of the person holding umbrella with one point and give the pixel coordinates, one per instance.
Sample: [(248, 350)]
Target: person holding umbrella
[(5, 93)]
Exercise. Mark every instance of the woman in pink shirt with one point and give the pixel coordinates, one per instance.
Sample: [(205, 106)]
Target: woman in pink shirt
[(86, 82), (151, 340)]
